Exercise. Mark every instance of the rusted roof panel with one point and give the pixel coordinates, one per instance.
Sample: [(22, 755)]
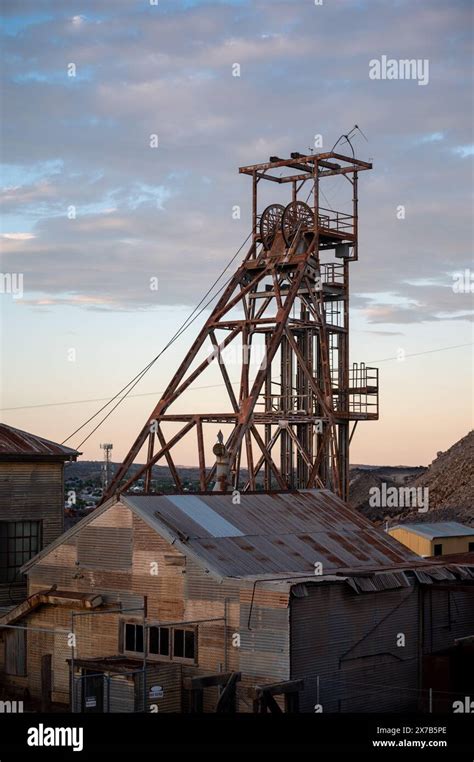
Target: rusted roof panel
[(276, 533), (17, 445)]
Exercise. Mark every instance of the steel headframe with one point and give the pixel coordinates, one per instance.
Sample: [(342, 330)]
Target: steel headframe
[(289, 299)]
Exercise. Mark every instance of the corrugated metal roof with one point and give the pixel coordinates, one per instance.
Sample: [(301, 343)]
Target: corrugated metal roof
[(372, 580), (207, 518), (426, 575), (437, 529), (14, 442), (278, 533)]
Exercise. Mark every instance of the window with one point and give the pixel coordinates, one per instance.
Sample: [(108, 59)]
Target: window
[(167, 642), (183, 644), (19, 541), (471, 547), (159, 641), (438, 549), (134, 637)]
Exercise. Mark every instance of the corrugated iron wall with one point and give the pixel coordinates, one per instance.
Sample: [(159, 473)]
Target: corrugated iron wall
[(264, 653), (264, 650), (152, 575), (168, 677), (447, 615), (105, 547), (99, 558), (31, 492), (349, 641)]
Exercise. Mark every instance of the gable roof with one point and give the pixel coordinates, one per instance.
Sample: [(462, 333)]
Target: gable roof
[(16, 444), (282, 532), (269, 535), (438, 529)]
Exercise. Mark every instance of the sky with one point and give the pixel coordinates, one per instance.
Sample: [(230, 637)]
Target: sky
[(123, 129)]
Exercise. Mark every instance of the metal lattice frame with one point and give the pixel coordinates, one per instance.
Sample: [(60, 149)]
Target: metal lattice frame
[(293, 300)]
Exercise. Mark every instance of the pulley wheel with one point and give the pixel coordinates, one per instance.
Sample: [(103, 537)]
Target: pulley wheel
[(297, 216), (270, 222)]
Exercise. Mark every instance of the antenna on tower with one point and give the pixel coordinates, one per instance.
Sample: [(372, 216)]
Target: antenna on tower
[(107, 448)]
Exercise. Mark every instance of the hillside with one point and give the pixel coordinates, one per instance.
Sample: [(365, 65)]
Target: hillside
[(449, 480)]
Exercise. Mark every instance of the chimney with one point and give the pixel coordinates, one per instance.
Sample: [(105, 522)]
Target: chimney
[(222, 465)]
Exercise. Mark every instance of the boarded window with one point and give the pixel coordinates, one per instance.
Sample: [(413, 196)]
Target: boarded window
[(15, 652)]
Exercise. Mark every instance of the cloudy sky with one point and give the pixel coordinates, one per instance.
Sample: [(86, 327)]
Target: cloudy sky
[(91, 210)]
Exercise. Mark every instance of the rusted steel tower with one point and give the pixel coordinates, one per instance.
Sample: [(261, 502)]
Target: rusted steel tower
[(286, 309)]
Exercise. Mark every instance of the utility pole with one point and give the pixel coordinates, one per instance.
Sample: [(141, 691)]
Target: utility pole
[(107, 448)]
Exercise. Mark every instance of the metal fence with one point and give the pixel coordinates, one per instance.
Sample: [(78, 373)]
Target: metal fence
[(107, 692)]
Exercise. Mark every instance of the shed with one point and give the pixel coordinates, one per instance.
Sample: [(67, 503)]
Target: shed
[(435, 539)]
